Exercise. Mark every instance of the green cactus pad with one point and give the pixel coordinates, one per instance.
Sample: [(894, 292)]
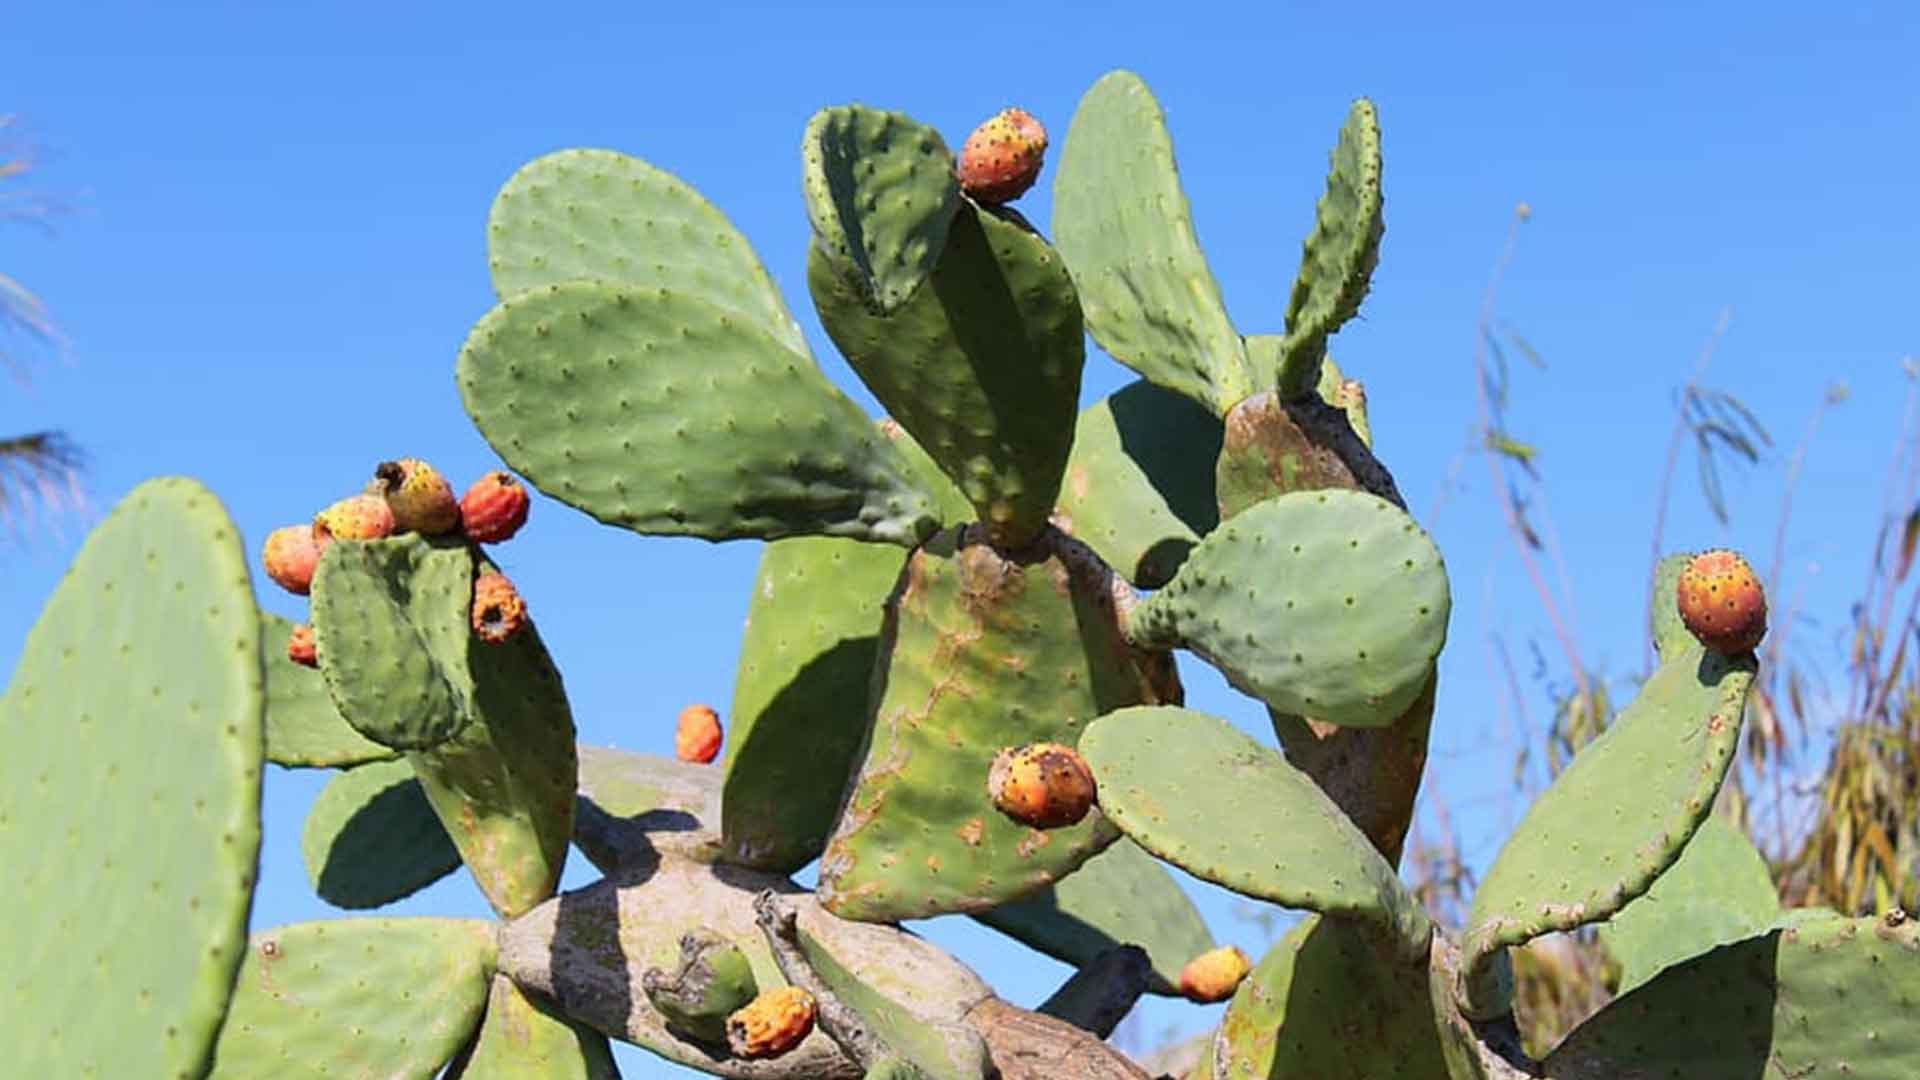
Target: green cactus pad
[(1140, 483), (372, 638), (880, 195), (1619, 815), (524, 1038), (982, 366), (1324, 977), (596, 215), (1121, 219), (661, 412), (634, 806), (1719, 892), (712, 979), (1829, 996), (893, 1068), (355, 998), (130, 796), (1199, 793), (800, 695), (371, 838), (979, 652), (1344, 393), (1339, 255), (1122, 896), (941, 1051), (1670, 635), (1349, 612), (304, 730)]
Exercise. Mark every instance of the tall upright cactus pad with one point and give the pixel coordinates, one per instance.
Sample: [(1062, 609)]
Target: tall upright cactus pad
[(1122, 221), (1337, 260), (981, 365), (1140, 484), (597, 215), (1350, 610), (660, 411), (130, 796), (1718, 892), (1325, 976), (1826, 996), (304, 728), (1617, 818), (1195, 791), (355, 998), (881, 196), (372, 838), (981, 650), (524, 1038)]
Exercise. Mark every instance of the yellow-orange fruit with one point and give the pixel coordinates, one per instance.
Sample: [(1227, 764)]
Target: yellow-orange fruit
[(1721, 602), (1002, 157), (300, 648), (494, 508), (1045, 785), (1214, 975), (421, 499), (771, 1024), (356, 517), (290, 554), (697, 735), (498, 611)]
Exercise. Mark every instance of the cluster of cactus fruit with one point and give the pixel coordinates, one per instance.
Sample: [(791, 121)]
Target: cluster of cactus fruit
[(996, 730)]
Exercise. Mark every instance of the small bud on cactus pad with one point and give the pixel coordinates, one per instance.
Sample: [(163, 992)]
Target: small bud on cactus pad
[(771, 1024), (300, 646), (1721, 602), (1002, 158), (697, 736), (290, 555), (357, 517), (421, 499), (494, 508), (1045, 785), (498, 611), (1214, 975)]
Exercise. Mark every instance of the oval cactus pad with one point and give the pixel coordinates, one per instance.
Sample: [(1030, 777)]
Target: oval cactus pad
[(1326, 604), (130, 797), (525, 1037), (880, 195), (371, 838), (304, 729)]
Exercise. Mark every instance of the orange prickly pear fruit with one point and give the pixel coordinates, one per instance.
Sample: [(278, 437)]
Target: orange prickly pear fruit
[(1721, 602), (1045, 785), (771, 1024), (1214, 975), (498, 611), (300, 646), (356, 517), (1002, 158), (290, 554), (421, 499), (696, 736), (494, 508)]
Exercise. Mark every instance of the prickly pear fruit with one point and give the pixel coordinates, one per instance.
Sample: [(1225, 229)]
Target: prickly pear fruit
[(696, 737), (494, 508), (356, 517), (1214, 975), (771, 1024), (421, 499), (290, 554), (712, 982), (1045, 785), (1002, 158), (300, 646), (1721, 602), (498, 611)]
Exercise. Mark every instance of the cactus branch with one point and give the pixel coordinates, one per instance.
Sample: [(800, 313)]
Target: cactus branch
[(1099, 995), (850, 1033)]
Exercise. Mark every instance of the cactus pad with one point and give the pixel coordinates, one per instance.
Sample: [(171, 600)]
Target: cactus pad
[(940, 1050), (662, 412), (371, 838), (1348, 613), (1719, 892), (881, 195), (304, 729), (1197, 792), (633, 806), (1670, 635), (376, 605), (1339, 255), (130, 796), (596, 215), (523, 1038), (1122, 221), (356, 998)]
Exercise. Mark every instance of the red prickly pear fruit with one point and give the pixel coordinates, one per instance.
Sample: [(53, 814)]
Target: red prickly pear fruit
[(356, 517), (300, 646), (494, 508), (290, 554), (498, 611), (1045, 785), (1721, 602), (771, 1024), (1214, 975), (696, 736), (1002, 158), (421, 499)]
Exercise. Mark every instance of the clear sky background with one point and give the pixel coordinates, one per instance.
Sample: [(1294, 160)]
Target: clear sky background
[(276, 246)]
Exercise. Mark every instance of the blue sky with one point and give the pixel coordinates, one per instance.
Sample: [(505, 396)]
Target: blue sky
[(275, 248)]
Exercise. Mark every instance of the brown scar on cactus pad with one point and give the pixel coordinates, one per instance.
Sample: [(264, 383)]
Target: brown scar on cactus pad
[(1721, 602), (1214, 975), (498, 610), (1002, 158), (771, 1024), (697, 734), (1045, 785)]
